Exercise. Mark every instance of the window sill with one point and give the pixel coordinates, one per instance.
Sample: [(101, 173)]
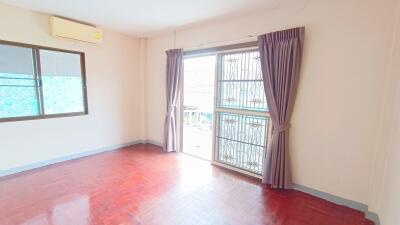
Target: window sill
[(39, 117)]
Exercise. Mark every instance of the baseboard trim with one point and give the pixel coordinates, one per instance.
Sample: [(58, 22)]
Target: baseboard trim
[(340, 201), (148, 141), (49, 162), (332, 198), (373, 217)]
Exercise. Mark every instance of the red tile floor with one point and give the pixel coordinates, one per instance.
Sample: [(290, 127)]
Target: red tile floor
[(140, 185)]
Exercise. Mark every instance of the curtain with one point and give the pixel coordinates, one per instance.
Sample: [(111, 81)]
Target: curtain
[(280, 57), (173, 84)]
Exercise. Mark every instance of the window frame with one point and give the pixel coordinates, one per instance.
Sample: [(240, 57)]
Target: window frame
[(39, 87), (219, 81), (218, 51), (246, 112)]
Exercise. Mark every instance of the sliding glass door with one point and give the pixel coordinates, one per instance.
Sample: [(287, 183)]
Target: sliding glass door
[(242, 120), (198, 105), (225, 116)]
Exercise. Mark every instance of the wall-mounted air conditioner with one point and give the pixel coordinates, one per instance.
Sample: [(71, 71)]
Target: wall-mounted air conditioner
[(64, 28)]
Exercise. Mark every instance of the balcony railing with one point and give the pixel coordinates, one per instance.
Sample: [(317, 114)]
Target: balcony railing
[(197, 132)]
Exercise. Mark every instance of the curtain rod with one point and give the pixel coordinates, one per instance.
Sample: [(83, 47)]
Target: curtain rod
[(222, 44), (220, 48), (245, 42), (249, 38)]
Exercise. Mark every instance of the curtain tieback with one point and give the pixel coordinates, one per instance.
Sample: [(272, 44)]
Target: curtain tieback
[(171, 110), (281, 128)]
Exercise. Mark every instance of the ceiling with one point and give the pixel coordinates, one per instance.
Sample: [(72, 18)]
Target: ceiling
[(145, 18)]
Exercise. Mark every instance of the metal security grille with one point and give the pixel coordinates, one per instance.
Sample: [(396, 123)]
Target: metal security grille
[(241, 140), (240, 82), (242, 119)]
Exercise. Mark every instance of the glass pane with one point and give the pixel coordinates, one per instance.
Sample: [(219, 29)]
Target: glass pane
[(18, 93), (61, 82), (240, 82), (199, 79), (241, 140)]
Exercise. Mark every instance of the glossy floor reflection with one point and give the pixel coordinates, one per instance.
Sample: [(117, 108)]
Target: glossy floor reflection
[(141, 186)]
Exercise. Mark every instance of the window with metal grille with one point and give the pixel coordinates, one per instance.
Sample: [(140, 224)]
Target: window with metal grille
[(38, 82), (242, 118), (240, 82)]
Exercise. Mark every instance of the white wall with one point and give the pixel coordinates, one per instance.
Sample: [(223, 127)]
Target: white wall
[(385, 185), (115, 95), (335, 122), (388, 199)]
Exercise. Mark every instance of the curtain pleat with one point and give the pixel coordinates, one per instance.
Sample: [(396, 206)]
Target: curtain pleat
[(173, 85), (280, 56)]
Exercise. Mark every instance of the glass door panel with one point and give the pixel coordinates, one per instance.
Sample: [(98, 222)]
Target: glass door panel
[(198, 98), (242, 121)]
